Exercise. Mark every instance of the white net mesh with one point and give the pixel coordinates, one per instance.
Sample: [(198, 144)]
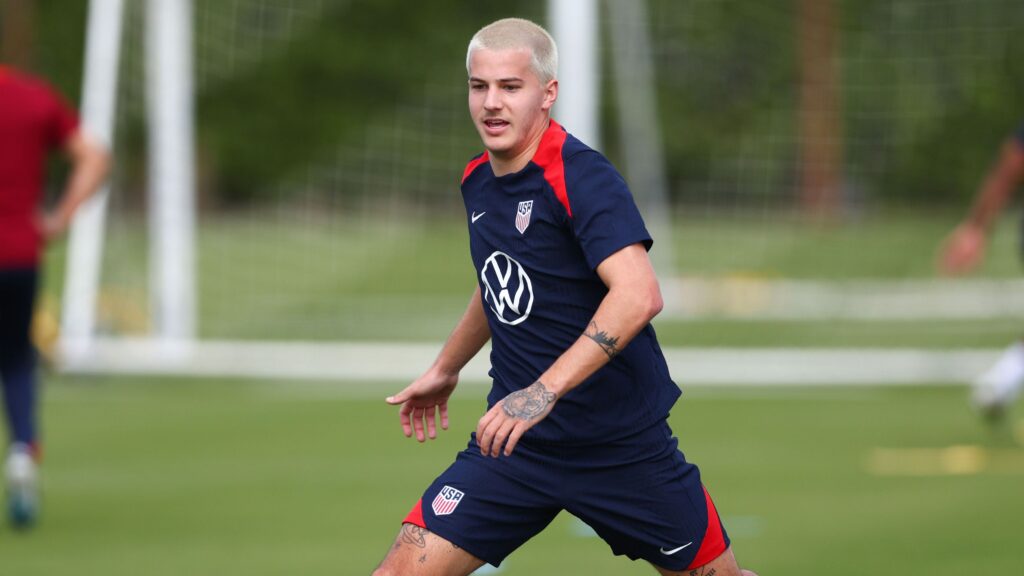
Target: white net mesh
[(329, 207)]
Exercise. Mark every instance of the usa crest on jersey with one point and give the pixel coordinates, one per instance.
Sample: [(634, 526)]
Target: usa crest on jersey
[(523, 215), (446, 501)]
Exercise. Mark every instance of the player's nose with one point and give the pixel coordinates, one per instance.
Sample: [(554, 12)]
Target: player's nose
[(493, 99)]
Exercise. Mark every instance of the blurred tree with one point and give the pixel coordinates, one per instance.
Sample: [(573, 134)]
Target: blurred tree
[(361, 62), (925, 91), (16, 17), (821, 145)]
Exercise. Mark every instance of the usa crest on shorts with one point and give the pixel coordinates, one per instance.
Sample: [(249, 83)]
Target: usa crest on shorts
[(446, 501), (523, 215)]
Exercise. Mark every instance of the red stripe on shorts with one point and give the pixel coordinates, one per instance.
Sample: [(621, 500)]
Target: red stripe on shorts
[(714, 542), (415, 516)]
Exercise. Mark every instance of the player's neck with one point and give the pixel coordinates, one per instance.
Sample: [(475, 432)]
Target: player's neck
[(503, 164)]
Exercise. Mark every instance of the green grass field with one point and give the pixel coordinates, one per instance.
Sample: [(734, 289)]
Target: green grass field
[(212, 476), (174, 476)]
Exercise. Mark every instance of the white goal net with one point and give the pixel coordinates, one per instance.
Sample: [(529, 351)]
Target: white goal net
[(802, 162)]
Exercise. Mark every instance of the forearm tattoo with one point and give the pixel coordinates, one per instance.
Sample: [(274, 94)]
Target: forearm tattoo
[(528, 403), (608, 343), (700, 572)]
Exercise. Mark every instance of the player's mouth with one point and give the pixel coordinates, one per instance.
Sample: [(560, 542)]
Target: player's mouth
[(495, 126)]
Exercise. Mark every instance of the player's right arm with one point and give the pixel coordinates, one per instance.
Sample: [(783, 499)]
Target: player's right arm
[(90, 163), (965, 246), (427, 397)]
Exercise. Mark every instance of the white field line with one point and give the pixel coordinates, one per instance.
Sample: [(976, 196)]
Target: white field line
[(380, 361), (760, 298)]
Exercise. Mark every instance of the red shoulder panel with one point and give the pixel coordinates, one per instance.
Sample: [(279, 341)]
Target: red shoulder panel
[(473, 164), (549, 158)]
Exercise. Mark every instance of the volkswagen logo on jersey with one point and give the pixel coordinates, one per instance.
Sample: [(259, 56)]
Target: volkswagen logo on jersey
[(523, 215), (507, 288)]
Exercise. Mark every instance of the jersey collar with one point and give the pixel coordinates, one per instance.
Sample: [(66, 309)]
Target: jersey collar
[(552, 139)]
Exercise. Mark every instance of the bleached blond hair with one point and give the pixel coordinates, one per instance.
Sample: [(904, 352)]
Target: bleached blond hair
[(519, 34)]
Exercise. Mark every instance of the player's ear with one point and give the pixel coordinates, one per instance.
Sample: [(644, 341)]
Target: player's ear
[(550, 94)]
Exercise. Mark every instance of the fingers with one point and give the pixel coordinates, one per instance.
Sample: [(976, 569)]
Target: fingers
[(429, 415), (419, 419), (423, 422), (417, 424), (443, 408), (483, 436), (496, 430), (500, 436), (513, 439), (403, 416)]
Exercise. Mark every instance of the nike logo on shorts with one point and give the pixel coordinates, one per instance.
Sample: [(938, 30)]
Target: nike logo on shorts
[(674, 550), (476, 216)]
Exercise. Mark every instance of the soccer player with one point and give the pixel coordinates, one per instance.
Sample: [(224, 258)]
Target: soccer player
[(577, 416), (965, 247), (33, 121)]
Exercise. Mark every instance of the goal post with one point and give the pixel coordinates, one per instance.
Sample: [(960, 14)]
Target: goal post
[(169, 91), (642, 147), (169, 80), (575, 24), (85, 243)]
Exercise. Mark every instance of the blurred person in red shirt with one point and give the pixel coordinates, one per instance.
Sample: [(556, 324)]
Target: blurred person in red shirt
[(34, 121)]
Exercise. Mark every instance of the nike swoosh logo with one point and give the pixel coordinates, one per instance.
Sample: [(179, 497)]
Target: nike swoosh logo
[(674, 550), (476, 216)]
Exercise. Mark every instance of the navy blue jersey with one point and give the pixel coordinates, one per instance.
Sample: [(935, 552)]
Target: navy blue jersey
[(536, 238)]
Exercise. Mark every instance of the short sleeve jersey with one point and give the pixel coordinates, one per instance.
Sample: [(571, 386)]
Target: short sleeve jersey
[(33, 121), (537, 237)]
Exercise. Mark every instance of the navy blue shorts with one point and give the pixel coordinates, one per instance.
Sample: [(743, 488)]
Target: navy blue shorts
[(17, 302), (640, 495)]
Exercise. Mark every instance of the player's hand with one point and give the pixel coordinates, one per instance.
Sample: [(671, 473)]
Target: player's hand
[(507, 421), (49, 226), (422, 401), (963, 250)]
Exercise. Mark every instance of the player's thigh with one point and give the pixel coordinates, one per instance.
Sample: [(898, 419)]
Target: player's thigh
[(419, 552), (724, 565), (654, 508), (489, 506)]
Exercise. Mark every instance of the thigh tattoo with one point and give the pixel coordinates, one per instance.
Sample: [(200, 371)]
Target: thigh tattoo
[(413, 534), (417, 536)]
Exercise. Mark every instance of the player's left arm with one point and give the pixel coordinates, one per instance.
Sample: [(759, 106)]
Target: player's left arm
[(633, 299)]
